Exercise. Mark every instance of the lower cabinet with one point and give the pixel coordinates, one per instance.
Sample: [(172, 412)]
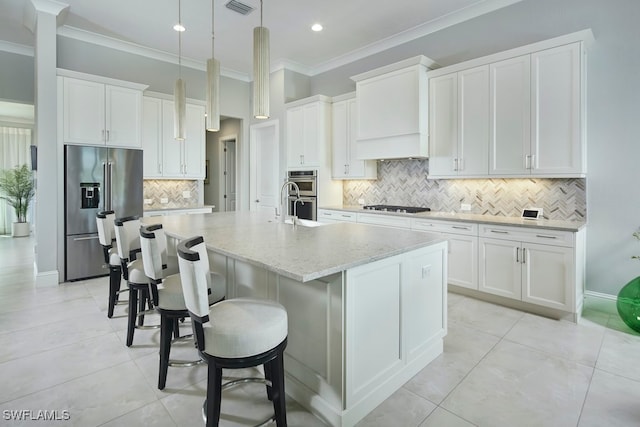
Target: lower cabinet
[(463, 249), (517, 266), (539, 266)]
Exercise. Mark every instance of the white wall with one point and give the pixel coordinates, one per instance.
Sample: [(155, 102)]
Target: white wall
[(613, 199), (16, 78)]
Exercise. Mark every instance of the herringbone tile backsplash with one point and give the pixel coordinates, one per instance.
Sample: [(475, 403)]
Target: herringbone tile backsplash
[(156, 189), (404, 182)]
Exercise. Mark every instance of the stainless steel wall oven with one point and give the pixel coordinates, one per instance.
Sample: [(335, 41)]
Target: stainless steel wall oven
[(307, 182)]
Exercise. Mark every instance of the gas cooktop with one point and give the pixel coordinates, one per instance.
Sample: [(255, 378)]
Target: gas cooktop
[(393, 208)]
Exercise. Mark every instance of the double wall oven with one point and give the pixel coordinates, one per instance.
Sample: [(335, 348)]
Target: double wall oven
[(307, 206)]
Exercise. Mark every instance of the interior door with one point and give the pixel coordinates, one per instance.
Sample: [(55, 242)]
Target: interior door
[(265, 154), (229, 175)]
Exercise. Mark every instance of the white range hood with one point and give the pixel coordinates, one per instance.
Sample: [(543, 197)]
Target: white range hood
[(392, 104)]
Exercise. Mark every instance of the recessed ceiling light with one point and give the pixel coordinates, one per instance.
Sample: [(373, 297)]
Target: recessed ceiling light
[(179, 27), (316, 27)]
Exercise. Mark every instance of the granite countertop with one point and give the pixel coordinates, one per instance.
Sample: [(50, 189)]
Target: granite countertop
[(162, 208), (475, 218), (300, 253)]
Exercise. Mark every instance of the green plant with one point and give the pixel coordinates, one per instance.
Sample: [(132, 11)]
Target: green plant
[(18, 189)]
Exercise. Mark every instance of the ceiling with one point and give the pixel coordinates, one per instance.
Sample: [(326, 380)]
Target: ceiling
[(353, 29)]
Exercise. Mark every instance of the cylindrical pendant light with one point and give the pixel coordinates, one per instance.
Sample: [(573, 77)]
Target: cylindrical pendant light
[(179, 90), (213, 84), (261, 68)]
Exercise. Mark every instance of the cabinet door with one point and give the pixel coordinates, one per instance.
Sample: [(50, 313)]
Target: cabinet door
[(313, 133), (194, 144), (443, 124), (172, 162), (547, 276), (555, 132), (463, 260), (295, 136), (83, 117), (152, 137), (500, 268), (340, 139), (510, 116), (123, 109), (473, 122)]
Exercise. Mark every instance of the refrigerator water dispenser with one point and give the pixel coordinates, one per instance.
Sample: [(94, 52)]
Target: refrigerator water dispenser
[(90, 195)]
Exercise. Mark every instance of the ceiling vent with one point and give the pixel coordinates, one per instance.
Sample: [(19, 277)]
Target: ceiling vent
[(241, 8)]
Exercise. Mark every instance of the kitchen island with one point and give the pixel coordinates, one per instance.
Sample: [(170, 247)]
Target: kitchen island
[(366, 304)]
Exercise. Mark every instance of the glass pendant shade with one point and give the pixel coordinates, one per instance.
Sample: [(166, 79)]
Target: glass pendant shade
[(179, 109), (213, 95), (261, 70)]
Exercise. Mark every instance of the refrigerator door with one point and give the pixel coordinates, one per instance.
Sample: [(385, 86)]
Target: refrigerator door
[(84, 188), (125, 182), (84, 257)]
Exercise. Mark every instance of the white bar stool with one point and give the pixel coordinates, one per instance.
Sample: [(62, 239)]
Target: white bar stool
[(232, 334), (106, 237)]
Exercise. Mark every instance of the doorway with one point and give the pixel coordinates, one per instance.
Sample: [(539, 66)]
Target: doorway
[(264, 160), (228, 174)]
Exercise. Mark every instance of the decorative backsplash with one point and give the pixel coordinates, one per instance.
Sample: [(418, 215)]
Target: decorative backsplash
[(404, 182), (172, 190)]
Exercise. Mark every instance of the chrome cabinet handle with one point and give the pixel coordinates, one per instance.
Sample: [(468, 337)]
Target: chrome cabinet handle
[(108, 136), (499, 231), (523, 255), (517, 255), (459, 227), (546, 237), (455, 164)]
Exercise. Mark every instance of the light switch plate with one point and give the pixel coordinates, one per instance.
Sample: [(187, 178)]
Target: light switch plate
[(186, 194), (148, 201), (164, 200), (465, 207)]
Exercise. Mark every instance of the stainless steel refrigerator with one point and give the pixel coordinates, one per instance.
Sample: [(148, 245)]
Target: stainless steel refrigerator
[(96, 179)]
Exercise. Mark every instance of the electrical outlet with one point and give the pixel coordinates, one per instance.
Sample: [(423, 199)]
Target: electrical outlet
[(164, 200), (148, 201), (465, 207), (361, 201), (186, 194)]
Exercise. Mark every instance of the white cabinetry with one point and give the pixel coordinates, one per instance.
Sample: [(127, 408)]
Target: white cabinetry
[(384, 220), (96, 113), (345, 163), (459, 124), (463, 248), (308, 132), (392, 104), (328, 216), (536, 114), (536, 266), (165, 157)]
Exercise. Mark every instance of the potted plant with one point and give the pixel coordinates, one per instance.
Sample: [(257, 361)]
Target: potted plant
[(17, 188)]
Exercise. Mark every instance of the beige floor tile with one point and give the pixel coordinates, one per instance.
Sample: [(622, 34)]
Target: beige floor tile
[(151, 415), (463, 349), (619, 354), (444, 418), (483, 316), (517, 386), (403, 408), (612, 401), (560, 338)]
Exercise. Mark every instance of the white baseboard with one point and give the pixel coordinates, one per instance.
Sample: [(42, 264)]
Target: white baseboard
[(593, 294), (47, 279)]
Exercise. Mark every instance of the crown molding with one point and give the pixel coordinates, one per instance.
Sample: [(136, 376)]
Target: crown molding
[(147, 52), (416, 32), (18, 49)]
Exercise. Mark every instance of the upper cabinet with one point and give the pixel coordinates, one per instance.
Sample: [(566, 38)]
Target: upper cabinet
[(392, 106), (459, 122), (518, 113), (345, 163), (164, 156), (308, 132), (536, 114), (99, 113)]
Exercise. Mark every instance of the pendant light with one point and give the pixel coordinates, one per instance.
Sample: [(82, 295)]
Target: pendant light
[(213, 83), (261, 70), (180, 88)]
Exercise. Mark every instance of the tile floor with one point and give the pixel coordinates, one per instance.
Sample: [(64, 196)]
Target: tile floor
[(500, 367)]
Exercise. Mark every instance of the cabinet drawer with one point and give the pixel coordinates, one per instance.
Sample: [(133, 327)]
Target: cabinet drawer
[(337, 215), (453, 227), (531, 235), (385, 220)]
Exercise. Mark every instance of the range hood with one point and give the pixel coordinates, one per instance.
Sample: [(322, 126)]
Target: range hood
[(392, 104)]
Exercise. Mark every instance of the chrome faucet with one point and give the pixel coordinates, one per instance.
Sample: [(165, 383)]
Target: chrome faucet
[(284, 205)]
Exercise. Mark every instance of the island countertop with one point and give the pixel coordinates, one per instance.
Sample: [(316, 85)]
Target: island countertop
[(300, 253)]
